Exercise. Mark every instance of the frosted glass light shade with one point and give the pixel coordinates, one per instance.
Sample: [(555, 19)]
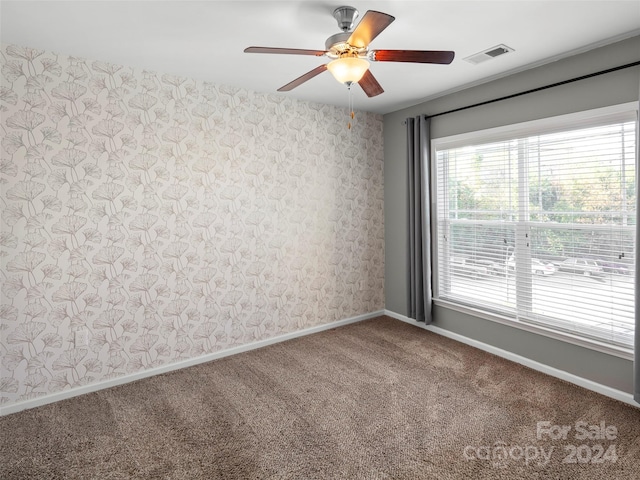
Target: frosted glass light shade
[(348, 69)]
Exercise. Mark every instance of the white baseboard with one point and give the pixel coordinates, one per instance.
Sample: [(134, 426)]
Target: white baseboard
[(527, 362), (94, 387)]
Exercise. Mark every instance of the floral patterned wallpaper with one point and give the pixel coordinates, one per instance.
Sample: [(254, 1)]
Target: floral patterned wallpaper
[(167, 218)]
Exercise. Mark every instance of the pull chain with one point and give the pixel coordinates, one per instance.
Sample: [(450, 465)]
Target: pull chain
[(351, 107)]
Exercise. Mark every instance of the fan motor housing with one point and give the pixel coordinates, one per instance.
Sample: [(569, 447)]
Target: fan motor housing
[(337, 41), (338, 45)]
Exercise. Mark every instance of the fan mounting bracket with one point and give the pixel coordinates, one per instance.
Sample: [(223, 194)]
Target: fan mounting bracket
[(345, 16)]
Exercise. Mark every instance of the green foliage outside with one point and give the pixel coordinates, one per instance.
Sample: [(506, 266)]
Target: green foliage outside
[(566, 186)]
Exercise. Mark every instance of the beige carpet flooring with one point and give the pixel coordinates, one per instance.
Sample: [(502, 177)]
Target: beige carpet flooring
[(379, 399)]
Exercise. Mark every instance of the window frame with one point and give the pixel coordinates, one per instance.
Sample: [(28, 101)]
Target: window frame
[(589, 118)]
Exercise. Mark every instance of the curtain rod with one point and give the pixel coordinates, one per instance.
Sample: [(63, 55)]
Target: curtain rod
[(533, 90)]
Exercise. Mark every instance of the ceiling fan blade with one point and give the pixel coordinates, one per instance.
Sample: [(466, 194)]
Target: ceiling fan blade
[(287, 51), (371, 25), (413, 56), (370, 85), (300, 80)]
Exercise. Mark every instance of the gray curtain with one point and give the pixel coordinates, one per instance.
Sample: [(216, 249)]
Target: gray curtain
[(419, 296)]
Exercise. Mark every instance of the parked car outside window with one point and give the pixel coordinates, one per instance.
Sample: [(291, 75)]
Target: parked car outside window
[(615, 267), (538, 267), (584, 266)]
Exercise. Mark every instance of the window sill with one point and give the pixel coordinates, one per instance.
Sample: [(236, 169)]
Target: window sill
[(614, 350)]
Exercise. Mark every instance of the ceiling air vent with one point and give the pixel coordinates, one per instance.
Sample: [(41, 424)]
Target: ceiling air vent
[(488, 54)]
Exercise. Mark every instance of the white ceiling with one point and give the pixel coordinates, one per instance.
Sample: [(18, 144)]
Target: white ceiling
[(206, 39)]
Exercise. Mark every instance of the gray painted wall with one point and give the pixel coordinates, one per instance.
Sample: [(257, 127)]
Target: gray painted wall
[(610, 89), (599, 367)]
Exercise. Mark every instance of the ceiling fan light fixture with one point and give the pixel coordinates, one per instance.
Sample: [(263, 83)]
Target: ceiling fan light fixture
[(348, 69)]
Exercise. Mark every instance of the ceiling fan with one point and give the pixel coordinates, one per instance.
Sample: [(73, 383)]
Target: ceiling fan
[(350, 53)]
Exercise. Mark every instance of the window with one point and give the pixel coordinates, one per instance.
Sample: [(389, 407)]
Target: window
[(536, 222)]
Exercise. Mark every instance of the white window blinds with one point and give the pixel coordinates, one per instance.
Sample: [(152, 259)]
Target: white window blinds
[(539, 225)]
